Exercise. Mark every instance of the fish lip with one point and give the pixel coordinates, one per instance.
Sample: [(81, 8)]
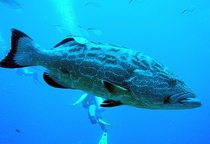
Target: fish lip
[(179, 98), (188, 99), (190, 102)]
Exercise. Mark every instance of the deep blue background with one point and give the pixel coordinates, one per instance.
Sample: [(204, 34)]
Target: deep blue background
[(157, 28)]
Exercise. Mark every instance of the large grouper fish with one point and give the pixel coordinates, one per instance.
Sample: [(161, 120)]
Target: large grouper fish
[(120, 75)]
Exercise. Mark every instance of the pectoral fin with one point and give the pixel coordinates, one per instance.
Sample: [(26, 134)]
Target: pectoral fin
[(110, 103), (115, 89)]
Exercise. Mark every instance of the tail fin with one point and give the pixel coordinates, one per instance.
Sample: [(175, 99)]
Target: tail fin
[(22, 50)]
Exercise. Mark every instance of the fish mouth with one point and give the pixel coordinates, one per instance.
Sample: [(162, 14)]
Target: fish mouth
[(187, 99)]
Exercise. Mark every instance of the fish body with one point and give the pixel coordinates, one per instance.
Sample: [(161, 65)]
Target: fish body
[(120, 75)]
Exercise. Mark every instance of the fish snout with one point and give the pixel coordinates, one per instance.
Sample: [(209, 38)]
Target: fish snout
[(188, 100)]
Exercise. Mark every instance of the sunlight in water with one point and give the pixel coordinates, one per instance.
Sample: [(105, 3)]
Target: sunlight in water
[(65, 10)]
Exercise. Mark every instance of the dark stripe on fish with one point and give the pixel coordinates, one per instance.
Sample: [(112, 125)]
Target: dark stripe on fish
[(114, 50), (110, 61), (75, 49), (95, 48), (92, 54), (140, 65)]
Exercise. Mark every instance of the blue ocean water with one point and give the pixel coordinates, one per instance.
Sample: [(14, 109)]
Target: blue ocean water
[(176, 33)]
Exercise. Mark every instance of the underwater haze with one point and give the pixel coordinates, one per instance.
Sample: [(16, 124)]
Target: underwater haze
[(176, 33)]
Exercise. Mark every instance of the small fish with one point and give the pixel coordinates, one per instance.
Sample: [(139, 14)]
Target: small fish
[(189, 9), (119, 74), (60, 28), (11, 4), (83, 32), (79, 39), (137, 1), (184, 11), (82, 38), (94, 3), (17, 130), (95, 31)]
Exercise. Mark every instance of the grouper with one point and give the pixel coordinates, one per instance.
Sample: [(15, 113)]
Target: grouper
[(119, 74)]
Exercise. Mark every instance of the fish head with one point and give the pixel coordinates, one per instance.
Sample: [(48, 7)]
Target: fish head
[(180, 97), (162, 90)]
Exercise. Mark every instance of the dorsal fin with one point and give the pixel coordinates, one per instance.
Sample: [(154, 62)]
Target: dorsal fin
[(66, 40)]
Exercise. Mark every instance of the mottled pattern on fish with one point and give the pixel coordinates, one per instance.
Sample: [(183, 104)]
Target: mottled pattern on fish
[(118, 74), (86, 66)]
